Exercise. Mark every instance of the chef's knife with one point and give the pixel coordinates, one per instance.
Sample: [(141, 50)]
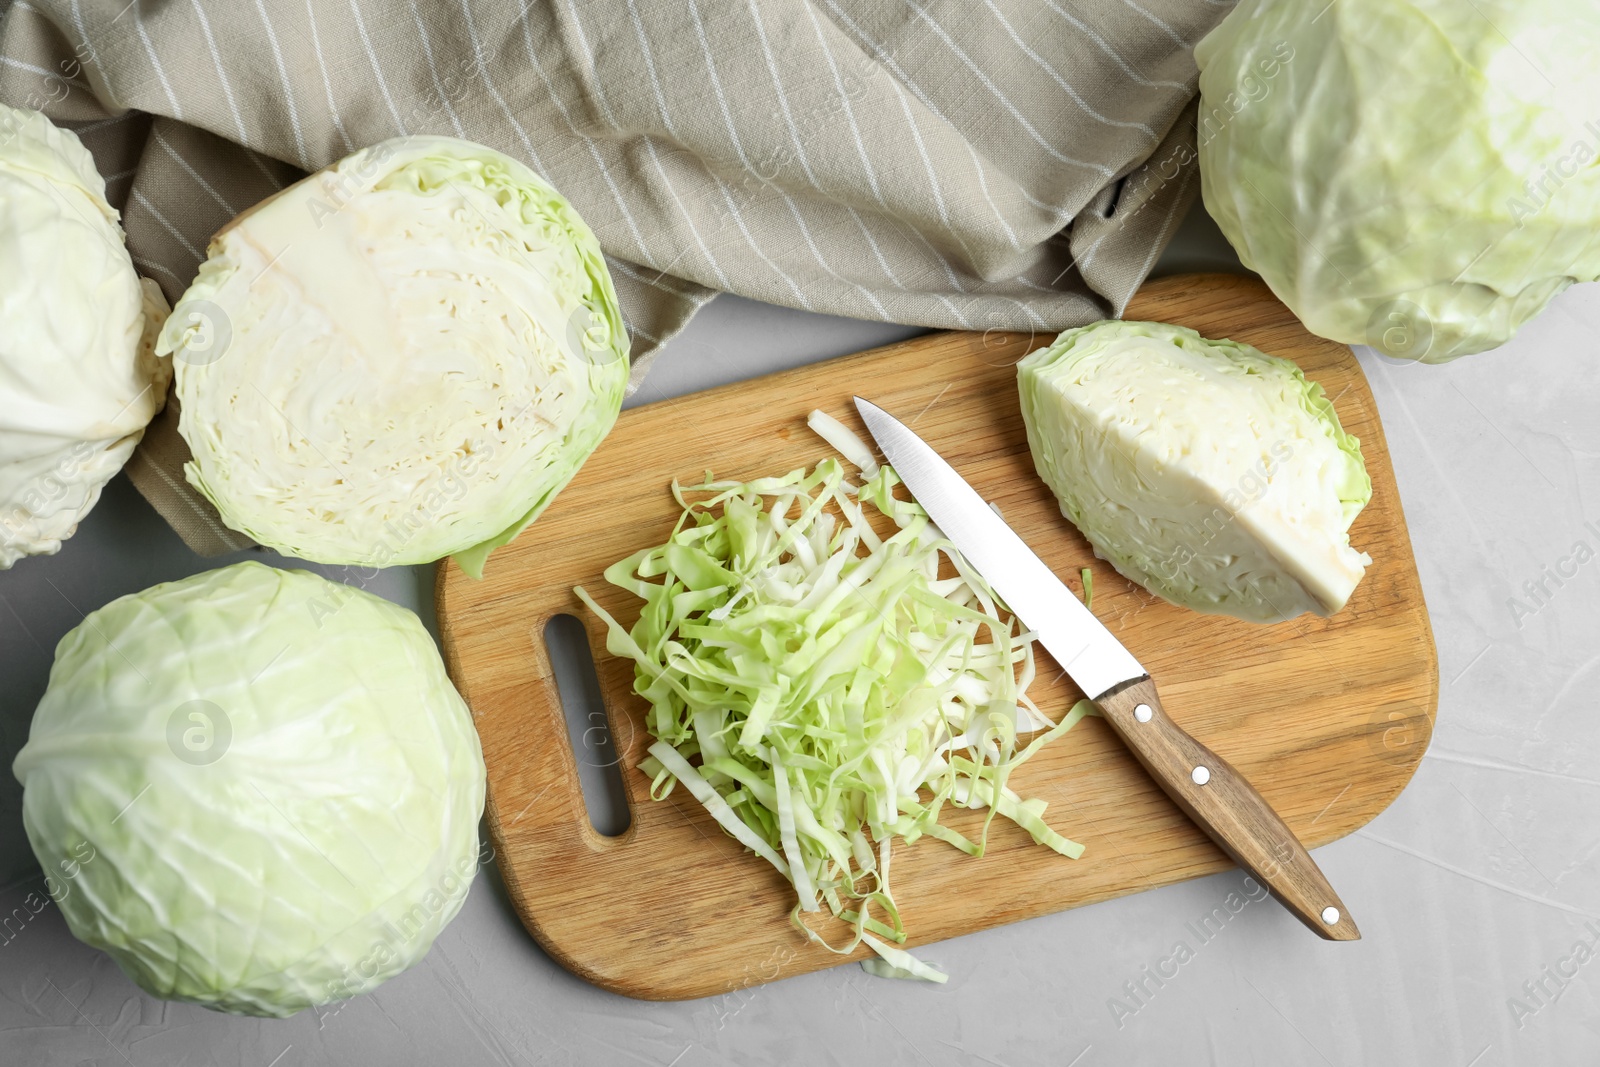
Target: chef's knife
[(1214, 795)]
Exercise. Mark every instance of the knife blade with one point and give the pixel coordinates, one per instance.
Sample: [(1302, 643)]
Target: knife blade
[(1215, 795)]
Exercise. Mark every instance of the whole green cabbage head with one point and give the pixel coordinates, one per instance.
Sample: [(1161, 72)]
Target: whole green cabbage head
[(1422, 177), (79, 379), (401, 357), (1212, 474), (255, 789)]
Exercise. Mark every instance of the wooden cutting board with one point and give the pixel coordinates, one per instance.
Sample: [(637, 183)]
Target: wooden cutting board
[(1328, 717)]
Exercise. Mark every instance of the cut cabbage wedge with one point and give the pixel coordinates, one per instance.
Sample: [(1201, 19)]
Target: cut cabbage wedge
[(1212, 474)]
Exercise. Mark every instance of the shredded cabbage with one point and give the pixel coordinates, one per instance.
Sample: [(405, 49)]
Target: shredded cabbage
[(823, 691)]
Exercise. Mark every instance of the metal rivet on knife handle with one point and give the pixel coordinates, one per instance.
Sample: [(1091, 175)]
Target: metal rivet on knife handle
[(1143, 713)]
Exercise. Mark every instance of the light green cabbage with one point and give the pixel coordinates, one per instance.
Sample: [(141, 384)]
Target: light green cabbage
[(256, 789), (1422, 177), (1212, 474), (402, 357), (79, 379)]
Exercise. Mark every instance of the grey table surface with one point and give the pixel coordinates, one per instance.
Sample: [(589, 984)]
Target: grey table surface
[(1478, 891)]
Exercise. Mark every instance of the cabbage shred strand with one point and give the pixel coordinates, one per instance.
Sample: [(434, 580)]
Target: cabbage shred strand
[(822, 691)]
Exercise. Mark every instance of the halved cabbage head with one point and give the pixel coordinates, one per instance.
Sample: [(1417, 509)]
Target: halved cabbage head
[(1421, 177), (1212, 474), (79, 378), (255, 789), (402, 357)]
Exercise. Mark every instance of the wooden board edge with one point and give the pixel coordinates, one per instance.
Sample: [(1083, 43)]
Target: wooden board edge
[(1419, 608)]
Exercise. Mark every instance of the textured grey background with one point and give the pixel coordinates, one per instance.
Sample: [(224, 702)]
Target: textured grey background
[(1474, 886)]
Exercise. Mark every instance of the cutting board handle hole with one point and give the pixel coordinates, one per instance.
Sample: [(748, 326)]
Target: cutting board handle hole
[(588, 729)]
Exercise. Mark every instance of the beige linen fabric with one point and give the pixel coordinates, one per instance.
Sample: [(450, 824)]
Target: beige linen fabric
[(969, 164)]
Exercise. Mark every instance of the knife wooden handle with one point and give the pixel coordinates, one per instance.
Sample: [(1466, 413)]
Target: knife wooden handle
[(1224, 804)]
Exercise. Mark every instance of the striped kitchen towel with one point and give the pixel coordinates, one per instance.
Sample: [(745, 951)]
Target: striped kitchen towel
[(972, 164)]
